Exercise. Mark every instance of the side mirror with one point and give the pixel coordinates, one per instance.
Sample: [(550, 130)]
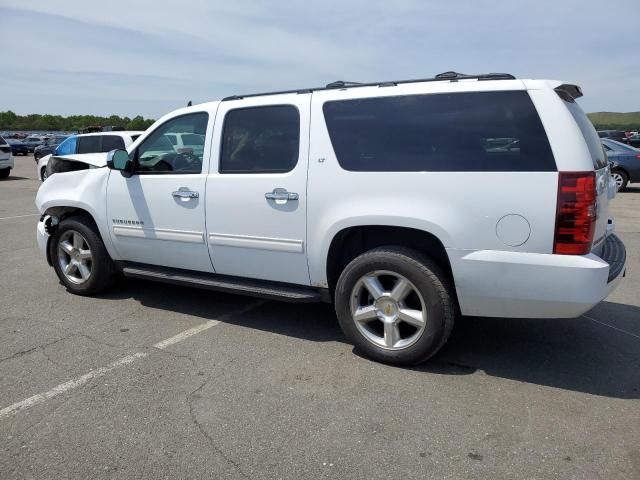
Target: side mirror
[(119, 160)]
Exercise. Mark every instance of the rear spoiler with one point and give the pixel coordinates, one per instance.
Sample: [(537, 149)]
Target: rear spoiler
[(569, 92)]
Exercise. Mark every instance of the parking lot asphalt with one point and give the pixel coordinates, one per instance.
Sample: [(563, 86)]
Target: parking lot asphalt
[(156, 381)]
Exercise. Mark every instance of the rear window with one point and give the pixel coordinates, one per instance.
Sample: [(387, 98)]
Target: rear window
[(471, 131), (89, 144), (590, 135), (112, 142)]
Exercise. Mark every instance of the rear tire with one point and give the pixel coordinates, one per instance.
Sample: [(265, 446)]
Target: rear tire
[(621, 179), (4, 173), (36, 157), (79, 257), (43, 173), (411, 312)]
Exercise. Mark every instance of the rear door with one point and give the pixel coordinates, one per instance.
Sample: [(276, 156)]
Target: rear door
[(256, 198)]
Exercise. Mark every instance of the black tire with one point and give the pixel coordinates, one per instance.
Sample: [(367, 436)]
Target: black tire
[(5, 172), (103, 270), (43, 173), (428, 279), (625, 179), (36, 157)]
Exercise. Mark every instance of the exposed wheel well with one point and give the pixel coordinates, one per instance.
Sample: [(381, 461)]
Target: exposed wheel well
[(60, 214), (353, 241)]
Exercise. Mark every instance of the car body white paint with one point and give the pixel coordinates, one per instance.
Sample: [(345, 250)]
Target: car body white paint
[(6, 158), (242, 234)]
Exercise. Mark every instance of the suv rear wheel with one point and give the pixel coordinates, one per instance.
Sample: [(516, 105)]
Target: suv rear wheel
[(395, 305), (80, 258)]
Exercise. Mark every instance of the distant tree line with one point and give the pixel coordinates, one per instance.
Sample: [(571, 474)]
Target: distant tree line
[(615, 120), (11, 121)]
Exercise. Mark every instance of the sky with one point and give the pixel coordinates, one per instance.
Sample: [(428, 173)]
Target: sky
[(150, 57)]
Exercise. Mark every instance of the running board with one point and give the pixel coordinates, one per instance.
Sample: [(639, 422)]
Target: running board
[(225, 283)]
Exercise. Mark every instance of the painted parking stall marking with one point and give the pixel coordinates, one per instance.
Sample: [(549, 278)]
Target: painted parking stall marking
[(99, 372)]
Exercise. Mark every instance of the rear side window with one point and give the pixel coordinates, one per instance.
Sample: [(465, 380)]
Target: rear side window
[(112, 142), (260, 140), (89, 144), (590, 135), (474, 131)]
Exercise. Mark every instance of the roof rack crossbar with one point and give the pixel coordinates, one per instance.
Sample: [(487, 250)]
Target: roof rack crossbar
[(451, 76)]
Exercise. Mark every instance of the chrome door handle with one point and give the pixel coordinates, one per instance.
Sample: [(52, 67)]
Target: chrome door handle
[(280, 194), (185, 194)]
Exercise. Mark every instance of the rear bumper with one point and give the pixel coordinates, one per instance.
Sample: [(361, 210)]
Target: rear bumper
[(531, 285), (6, 162)]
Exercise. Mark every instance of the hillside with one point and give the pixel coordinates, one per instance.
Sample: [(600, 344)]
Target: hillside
[(615, 120)]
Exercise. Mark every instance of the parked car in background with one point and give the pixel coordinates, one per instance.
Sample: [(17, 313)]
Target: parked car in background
[(6, 158), (634, 141), (33, 141), (48, 147), (17, 146), (88, 143), (617, 135), (624, 161), (187, 142)]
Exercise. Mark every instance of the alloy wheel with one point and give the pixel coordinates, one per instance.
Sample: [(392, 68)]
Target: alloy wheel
[(388, 310), (74, 257)]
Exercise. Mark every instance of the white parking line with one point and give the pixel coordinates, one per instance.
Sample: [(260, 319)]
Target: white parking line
[(611, 326), (20, 216), (99, 372)]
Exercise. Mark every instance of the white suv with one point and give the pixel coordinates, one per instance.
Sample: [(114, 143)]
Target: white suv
[(6, 158), (404, 203)]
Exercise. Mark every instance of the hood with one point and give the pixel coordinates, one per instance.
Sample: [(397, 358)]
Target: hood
[(94, 159)]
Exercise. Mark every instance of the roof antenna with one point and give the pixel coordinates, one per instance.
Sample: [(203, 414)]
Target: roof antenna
[(190, 103)]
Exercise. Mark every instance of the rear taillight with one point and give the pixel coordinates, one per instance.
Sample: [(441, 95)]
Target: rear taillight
[(638, 157), (576, 214)]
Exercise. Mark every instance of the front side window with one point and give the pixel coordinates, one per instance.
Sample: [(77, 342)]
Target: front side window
[(260, 140), (68, 147), (90, 144), (469, 131), (156, 154), (112, 142)]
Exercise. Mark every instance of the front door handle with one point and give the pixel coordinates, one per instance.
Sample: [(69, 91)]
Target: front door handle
[(280, 195), (184, 193)]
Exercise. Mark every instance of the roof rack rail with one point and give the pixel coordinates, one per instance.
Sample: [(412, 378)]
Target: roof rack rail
[(342, 84), (450, 76)]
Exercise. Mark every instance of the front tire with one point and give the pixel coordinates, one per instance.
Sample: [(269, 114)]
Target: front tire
[(79, 257), (395, 305), (43, 173), (36, 156)]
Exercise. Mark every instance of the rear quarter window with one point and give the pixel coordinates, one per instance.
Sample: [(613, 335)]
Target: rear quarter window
[(591, 136), (470, 131)]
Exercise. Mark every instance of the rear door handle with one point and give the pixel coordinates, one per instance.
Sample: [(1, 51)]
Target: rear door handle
[(281, 195), (184, 193)]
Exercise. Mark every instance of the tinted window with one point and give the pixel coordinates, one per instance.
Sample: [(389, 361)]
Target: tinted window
[(590, 135), (2, 141), (486, 131), (172, 139), (156, 154), (112, 142), (89, 144), (191, 139), (68, 147), (135, 137), (260, 139)]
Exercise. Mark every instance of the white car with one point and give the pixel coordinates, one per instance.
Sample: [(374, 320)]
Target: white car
[(88, 143), (6, 158), (405, 203)]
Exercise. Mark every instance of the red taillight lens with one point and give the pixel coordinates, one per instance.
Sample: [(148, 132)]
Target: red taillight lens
[(576, 214), (638, 157)]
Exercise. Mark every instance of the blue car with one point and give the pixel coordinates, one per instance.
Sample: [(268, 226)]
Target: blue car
[(17, 147), (624, 161)]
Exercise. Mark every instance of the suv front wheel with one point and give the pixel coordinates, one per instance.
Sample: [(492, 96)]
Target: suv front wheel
[(395, 305), (79, 257)]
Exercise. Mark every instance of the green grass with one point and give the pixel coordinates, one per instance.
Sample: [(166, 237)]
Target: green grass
[(615, 120)]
